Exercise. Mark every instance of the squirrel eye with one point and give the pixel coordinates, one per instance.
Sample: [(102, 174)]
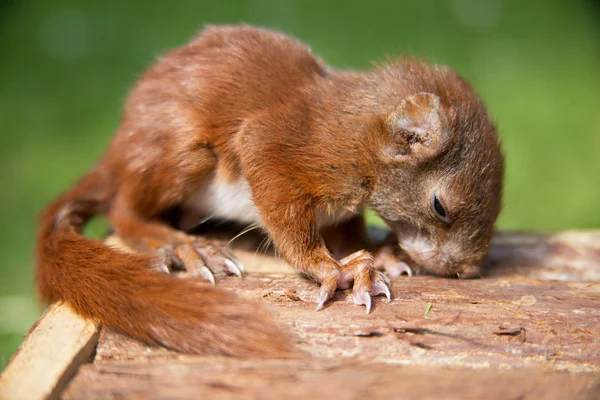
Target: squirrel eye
[(438, 209)]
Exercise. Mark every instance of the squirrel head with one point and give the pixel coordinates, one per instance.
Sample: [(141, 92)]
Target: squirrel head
[(440, 176)]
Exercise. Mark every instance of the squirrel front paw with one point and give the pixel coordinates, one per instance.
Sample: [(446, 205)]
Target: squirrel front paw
[(357, 271), (389, 258)]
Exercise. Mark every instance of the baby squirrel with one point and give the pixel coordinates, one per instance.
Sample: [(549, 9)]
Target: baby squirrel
[(248, 125)]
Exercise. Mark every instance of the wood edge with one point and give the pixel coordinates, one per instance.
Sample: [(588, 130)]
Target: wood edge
[(50, 355)]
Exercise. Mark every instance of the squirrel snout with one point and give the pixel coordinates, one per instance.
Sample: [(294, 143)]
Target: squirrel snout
[(442, 262), (452, 269), (458, 267)]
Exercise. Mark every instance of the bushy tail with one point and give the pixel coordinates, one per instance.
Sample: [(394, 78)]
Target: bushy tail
[(120, 290)]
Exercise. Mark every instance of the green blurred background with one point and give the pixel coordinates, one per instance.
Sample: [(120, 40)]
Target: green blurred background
[(66, 67)]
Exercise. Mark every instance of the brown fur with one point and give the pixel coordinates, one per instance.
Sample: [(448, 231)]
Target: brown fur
[(245, 103)]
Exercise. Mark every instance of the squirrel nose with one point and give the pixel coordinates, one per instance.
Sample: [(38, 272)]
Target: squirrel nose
[(455, 267)]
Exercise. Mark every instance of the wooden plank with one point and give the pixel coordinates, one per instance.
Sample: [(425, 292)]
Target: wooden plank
[(475, 331), (320, 379), (49, 356), (566, 256), (518, 328), (477, 323)]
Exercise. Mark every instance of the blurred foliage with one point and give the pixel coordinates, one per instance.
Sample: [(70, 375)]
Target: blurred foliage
[(66, 66)]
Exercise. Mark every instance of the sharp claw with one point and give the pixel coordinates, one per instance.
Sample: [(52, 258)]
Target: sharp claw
[(362, 298), (405, 268), (399, 269), (233, 268), (205, 272), (236, 261), (162, 267), (319, 306), (385, 278), (322, 297), (228, 254), (163, 259), (382, 288)]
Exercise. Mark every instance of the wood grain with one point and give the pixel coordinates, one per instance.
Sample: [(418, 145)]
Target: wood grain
[(321, 379), (529, 329), (49, 356), (486, 338)]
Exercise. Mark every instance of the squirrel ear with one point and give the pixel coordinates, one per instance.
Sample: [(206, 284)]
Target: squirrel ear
[(415, 126)]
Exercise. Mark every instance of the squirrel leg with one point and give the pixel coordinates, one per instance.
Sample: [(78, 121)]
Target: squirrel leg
[(173, 249), (294, 232)]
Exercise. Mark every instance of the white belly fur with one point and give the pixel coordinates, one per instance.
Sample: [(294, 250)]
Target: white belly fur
[(233, 201)]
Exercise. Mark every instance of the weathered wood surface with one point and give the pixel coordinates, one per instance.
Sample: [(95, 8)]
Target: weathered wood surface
[(565, 256), (517, 332), (49, 356), (476, 328), (321, 379), (529, 329)]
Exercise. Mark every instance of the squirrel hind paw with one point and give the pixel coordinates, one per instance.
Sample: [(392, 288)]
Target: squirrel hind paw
[(206, 259)]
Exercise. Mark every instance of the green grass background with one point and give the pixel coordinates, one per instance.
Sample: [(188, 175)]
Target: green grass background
[(66, 66)]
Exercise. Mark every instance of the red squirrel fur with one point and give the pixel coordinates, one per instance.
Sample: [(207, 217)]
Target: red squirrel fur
[(241, 110)]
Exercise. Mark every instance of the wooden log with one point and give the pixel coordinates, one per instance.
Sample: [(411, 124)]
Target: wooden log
[(320, 379), (478, 323), (569, 255), (544, 332), (529, 328)]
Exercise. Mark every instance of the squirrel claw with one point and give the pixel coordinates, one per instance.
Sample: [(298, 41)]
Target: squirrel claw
[(399, 269), (233, 259), (320, 305), (380, 287), (390, 259), (362, 297), (328, 287), (204, 272), (233, 268), (322, 297)]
